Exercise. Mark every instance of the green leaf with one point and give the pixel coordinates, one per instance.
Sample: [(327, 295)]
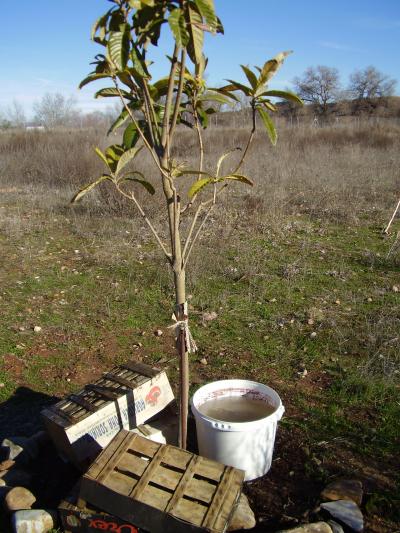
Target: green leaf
[(236, 86), (126, 157), (101, 155), (269, 105), (131, 136), (177, 24), (89, 187), (123, 117), (199, 185), (203, 117), (239, 177), (125, 78), (252, 78), (193, 172), (270, 67), (269, 125), (100, 23), (118, 47), (213, 97), (225, 91), (92, 77), (195, 45), (207, 11), (113, 154), (286, 95), (146, 184), (111, 92), (138, 4), (223, 156), (139, 64)]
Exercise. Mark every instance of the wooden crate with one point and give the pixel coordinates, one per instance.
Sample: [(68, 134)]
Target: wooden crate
[(89, 519), (82, 424), (161, 488)]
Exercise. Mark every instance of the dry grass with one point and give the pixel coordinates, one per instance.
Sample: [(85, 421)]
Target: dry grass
[(340, 173)]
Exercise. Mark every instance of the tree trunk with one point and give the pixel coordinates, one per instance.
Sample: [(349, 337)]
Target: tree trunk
[(181, 315)]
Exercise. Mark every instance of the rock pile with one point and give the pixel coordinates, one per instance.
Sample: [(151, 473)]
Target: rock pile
[(340, 506), (15, 481)]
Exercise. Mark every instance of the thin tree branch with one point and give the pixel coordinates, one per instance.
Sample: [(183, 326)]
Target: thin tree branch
[(201, 156), (200, 141), (178, 95), (168, 102), (149, 119), (392, 218), (152, 111), (142, 135), (192, 226), (132, 197), (249, 141), (189, 246), (197, 234)]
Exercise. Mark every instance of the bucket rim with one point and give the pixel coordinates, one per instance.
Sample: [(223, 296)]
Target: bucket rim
[(238, 426)]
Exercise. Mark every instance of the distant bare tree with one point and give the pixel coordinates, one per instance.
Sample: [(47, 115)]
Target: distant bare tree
[(112, 112), (370, 83), (16, 114), (5, 122), (56, 110), (320, 86)]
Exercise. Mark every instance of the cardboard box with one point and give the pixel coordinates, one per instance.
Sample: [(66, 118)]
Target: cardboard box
[(161, 488), (84, 423)]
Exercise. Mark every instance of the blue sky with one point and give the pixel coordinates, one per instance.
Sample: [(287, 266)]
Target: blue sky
[(45, 45)]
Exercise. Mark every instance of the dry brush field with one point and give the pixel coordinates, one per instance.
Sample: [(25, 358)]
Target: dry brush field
[(304, 285)]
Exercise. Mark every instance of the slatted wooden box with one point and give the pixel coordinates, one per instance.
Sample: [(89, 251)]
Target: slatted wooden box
[(89, 519), (82, 424), (161, 488)]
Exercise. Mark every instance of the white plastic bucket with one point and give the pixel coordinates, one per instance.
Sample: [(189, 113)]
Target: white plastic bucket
[(245, 445)]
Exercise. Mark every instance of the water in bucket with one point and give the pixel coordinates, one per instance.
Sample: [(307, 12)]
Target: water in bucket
[(237, 409)]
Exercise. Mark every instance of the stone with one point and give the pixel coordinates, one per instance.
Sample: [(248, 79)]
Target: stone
[(34, 521), (13, 449), (243, 517), (343, 489), (336, 528), (16, 477), (37, 329), (346, 512), (19, 498), (158, 332), (204, 361), (24, 449), (207, 317), (316, 527), (6, 465)]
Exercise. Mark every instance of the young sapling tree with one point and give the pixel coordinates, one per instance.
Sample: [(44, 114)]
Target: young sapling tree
[(151, 112)]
